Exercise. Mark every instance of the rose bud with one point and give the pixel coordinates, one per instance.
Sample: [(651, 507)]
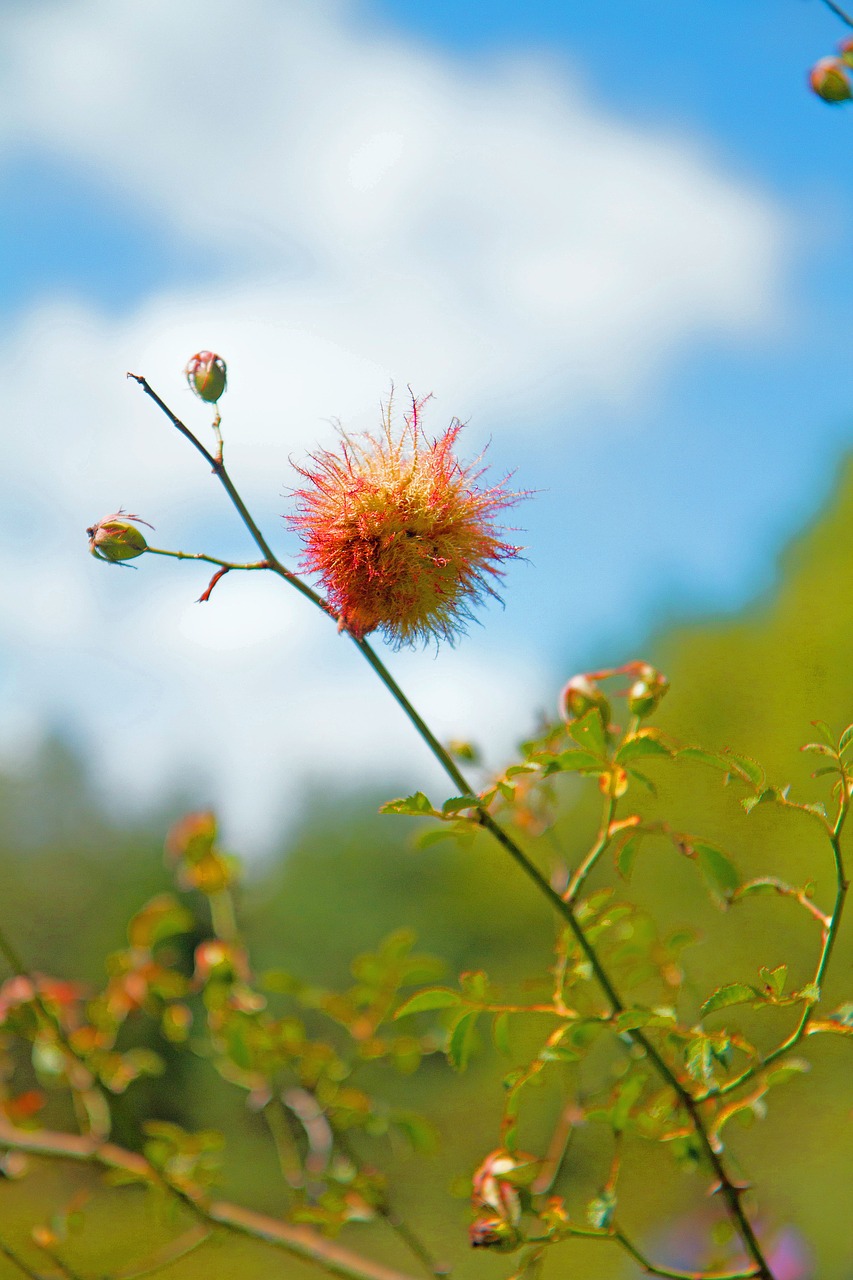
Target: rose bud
[(579, 696), (207, 376), (829, 80), (647, 691), (114, 539)]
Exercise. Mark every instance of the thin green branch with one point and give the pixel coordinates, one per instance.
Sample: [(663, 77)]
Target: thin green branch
[(829, 937), (578, 880), (731, 1193), (197, 555)]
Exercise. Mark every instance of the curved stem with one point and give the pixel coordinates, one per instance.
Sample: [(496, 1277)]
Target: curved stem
[(578, 880), (198, 555), (730, 1191)]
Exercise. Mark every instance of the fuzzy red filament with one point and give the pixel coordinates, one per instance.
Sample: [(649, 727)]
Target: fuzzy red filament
[(400, 533)]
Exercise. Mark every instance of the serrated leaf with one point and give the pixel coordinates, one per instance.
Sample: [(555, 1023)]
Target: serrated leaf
[(600, 1211), (457, 803), (500, 1034), (774, 978), (810, 992), (733, 993), (588, 732), (712, 758), (769, 795), (699, 1060), (718, 871), (462, 1039), (643, 744), (747, 769), (432, 998), (416, 805), (825, 731)]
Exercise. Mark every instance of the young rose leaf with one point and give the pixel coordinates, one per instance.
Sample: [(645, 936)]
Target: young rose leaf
[(711, 758), (432, 998), (810, 993), (629, 1093), (825, 732), (790, 1067), (558, 1053), (573, 761), (588, 732), (456, 804), (734, 993), (843, 1015), (819, 748), (718, 871), (633, 1019), (699, 1060), (644, 782), (774, 978), (643, 744), (462, 1039), (747, 769), (416, 805), (845, 739)]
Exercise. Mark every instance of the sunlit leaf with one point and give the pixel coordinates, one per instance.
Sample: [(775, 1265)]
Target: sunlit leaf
[(416, 805), (643, 744), (733, 993), (588, 732), (432, 998), (462, 1040), (719, 872)]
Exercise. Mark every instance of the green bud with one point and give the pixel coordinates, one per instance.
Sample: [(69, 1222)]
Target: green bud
[(647, 692), (206, 374), (114, 539), (829, 80), (579, 696)]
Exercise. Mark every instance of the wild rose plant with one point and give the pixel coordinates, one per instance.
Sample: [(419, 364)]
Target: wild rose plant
[(402, 538)]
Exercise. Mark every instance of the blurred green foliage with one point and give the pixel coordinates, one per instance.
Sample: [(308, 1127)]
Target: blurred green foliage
[(73, 874)]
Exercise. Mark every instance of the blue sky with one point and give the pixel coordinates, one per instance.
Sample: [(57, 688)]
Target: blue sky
[(615, 238)]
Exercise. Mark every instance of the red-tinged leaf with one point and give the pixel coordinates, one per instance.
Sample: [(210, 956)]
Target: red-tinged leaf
[(824, 731), (432, 998), (774, 978), (845, 739), (734, 993), (820, 748)]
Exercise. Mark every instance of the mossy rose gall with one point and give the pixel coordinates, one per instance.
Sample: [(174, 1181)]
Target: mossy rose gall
[(401, 533)]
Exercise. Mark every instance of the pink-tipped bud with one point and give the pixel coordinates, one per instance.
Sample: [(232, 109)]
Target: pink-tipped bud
[(845, 51), (829, 80), (647, 691), (493, 1233), (207, 376), (579, 696), (114, 539)]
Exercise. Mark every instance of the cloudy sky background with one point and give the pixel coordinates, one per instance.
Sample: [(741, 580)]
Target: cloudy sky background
[(616, 244)]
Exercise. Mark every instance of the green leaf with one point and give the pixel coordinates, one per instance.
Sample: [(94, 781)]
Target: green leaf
[(825, 731), (718, 871), (645, 743), (416, 805), (426, 839), (420, 1133), (626, 854), (747, 769), (790, 1067), (588, 732), (633, 1019), (699, 1060), (843, 1015), (457, 803), (432, 998), (600, 1211), (774, 978), (845, 739), (643, 780), (558, 1053), (712, 758), (810, 992), (819, 748), (462, 1039), (500, 1034), (574, 761), (734, 993)]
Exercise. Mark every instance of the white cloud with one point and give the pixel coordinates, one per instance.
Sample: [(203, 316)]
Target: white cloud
[(484, 230)]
